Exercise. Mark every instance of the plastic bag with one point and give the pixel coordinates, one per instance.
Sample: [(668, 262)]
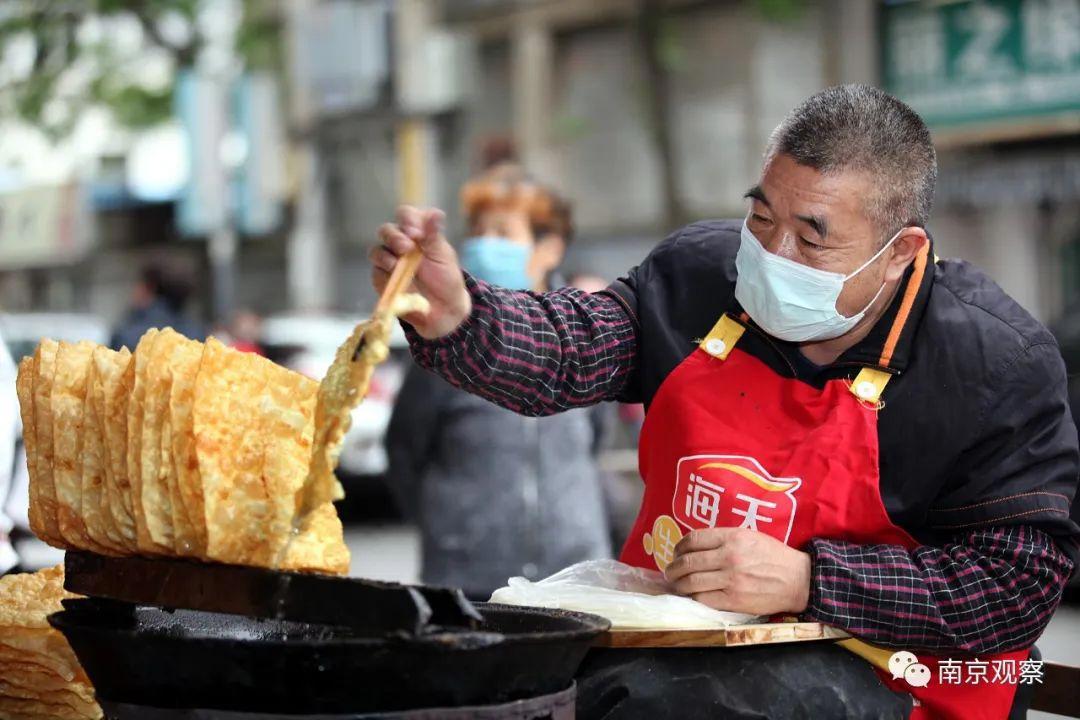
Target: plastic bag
[(630, 597)]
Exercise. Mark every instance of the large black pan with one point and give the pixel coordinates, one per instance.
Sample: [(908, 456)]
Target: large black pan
[(369, 607), (184, 658)]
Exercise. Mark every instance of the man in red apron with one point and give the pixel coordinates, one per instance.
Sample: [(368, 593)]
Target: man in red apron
[(839, 426)]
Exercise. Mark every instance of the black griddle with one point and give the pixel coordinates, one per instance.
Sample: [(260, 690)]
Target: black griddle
[(193, 659), (371, 607), (180, 634)]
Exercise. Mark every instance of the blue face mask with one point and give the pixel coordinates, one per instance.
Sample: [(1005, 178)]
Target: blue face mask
[(497, 261)]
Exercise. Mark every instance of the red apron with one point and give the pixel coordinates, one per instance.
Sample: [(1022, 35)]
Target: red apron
[(728, 442)]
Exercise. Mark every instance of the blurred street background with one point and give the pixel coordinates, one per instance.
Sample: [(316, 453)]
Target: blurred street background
[(228, 162)]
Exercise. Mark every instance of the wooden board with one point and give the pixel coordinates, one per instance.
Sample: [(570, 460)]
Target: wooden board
[(734, 635)]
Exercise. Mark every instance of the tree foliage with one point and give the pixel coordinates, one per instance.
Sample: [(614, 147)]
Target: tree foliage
[(69, 71), (781, 10)]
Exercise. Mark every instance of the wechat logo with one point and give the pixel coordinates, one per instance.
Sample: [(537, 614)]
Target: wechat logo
[(905, 665)]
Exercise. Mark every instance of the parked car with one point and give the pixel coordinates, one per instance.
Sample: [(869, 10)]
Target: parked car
[(22, 332), (307, 343)]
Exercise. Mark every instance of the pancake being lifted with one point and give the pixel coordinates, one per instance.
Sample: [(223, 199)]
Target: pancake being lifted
[(343, 388)]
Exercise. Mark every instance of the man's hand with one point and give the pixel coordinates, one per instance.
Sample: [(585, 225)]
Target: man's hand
[(742, 571), (438, 277)]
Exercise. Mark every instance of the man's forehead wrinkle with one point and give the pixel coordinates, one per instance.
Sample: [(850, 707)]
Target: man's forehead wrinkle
[(819, 190), (843, 185)]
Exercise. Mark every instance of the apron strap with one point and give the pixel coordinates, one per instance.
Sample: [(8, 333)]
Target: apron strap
[(722, 338), (869, 384)]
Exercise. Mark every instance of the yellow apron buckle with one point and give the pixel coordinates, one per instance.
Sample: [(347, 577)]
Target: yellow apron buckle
[(722, 338), (869, 384)]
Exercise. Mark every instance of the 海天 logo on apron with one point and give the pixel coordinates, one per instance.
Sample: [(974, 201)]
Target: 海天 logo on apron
[(733, 491)]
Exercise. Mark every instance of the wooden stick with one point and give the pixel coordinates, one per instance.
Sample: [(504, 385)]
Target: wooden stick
[(400, 279)]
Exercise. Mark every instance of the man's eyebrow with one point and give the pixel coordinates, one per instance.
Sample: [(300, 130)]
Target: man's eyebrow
[(821, 227), (817, 222), (756, 193)]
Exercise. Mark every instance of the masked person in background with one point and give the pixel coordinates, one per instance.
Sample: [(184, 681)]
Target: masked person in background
[(496, 494)]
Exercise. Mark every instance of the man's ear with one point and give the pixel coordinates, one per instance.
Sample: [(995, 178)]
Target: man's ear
[(903, 251)]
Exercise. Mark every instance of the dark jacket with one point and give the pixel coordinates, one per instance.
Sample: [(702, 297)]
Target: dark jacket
[(495, 494), (975, 429), (157, 314)]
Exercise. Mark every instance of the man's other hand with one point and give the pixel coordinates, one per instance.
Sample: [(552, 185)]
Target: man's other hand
[(742, 571), (438, 278)]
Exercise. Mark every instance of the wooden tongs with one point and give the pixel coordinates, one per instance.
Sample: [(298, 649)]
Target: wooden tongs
[(390, 300), (400, 280)]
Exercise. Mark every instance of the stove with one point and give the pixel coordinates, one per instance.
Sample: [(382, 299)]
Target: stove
[(554, 706)]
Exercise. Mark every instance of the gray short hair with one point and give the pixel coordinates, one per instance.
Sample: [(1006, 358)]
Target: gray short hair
[(862, 128)]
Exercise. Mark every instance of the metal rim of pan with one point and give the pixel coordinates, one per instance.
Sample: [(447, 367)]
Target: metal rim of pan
[(83, 618)]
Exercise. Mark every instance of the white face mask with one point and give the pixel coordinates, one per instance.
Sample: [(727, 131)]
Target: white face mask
[(791, 301)]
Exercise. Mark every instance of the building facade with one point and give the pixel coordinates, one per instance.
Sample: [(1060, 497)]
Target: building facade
[(647, 114)]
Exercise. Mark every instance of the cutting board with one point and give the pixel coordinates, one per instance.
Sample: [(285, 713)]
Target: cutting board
[(731, 636)]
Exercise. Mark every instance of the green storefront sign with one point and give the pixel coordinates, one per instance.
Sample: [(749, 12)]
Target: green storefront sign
[(983, 60)]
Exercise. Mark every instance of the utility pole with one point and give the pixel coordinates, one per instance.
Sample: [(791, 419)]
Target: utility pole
[(417, 141), (651, 16), (221, 251), (208, 207), (532, 62), (310, 256)]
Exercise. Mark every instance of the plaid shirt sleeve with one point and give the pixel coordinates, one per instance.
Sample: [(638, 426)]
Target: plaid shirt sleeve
[(992, 590), (533, 353)]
